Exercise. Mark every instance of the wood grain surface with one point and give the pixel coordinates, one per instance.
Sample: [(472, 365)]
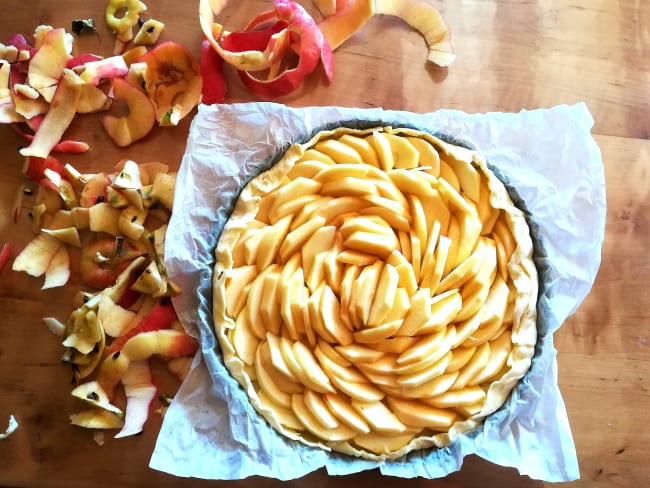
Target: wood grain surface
[(511, 55)]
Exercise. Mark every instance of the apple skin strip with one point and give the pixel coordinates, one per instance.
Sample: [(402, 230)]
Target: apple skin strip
[(426, 19), (58, 118)]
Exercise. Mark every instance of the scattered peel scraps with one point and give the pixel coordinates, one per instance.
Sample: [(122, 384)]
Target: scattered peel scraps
[(45, 86), (117, 321)]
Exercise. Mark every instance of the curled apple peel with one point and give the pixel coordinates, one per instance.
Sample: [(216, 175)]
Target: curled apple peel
[(264, 44), (428, 21), (346, 20), (214, 83)]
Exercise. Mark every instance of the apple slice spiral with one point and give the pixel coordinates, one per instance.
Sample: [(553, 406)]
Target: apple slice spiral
[(375, 292)]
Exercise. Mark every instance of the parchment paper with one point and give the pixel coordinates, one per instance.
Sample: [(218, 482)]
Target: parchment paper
[(548, 156)]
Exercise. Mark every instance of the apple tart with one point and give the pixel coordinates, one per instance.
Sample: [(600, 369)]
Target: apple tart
[(375, 291)]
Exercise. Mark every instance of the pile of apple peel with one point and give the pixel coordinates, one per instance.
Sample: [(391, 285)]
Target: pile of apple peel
[(375, 292), (115, 224), (43, 87), (263, 52)]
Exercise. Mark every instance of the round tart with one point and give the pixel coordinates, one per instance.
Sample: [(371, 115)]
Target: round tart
[(375, 292)]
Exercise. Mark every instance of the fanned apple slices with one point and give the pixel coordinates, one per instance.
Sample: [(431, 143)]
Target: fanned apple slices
[(375, 292)]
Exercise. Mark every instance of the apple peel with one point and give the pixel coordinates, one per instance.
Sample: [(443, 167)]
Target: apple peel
[(311, 48), (259, 48), (141, 117), (326, 7), (161, 317), (211, 67), (427, 20), (58, 118), (104, 69), (95, 396), (346, 21), (5, 254), (58, 271), (140, 392), (35, 168), (97, 419), (65, 146), (37, 255), (166, 343), (47, 65), (11, 428), (249, 50), (172, 81)]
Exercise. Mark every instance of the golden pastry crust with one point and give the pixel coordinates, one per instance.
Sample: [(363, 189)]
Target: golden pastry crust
[(375, 292)]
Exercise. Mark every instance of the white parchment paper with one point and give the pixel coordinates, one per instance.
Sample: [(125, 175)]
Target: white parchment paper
[(547, 156)]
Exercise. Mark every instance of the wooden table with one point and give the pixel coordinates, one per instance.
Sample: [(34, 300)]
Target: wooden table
[(512, 55)]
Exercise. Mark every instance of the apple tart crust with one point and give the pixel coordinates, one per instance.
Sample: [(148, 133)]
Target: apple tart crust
[(375, 292)]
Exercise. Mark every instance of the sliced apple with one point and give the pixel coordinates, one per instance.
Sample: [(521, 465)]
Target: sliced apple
[(314, 425), (342, 409), (417, 414), (316, 404), (379, 417), (140, 119)]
